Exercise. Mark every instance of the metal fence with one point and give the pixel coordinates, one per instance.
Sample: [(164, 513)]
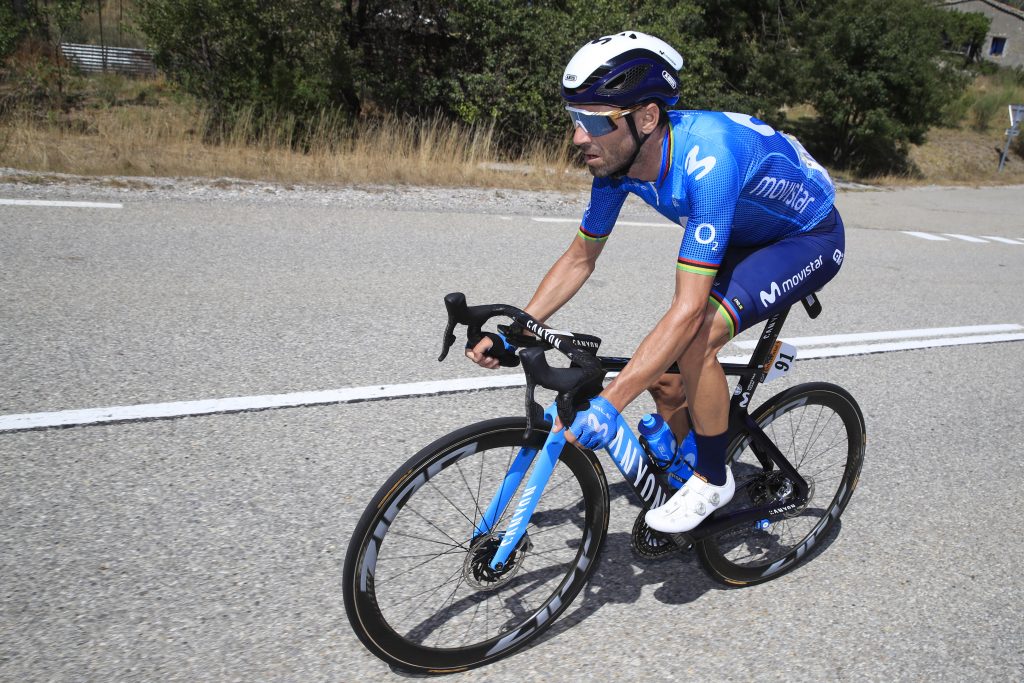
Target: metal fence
[(97, 59)]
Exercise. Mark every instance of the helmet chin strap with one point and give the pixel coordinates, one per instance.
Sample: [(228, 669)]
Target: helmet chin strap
[(621, 172)]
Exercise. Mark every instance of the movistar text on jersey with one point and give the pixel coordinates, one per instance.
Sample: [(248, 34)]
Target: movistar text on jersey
[(774, 290), (789, 192)]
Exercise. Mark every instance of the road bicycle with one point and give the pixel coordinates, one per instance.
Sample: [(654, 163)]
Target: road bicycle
[(476, 545)]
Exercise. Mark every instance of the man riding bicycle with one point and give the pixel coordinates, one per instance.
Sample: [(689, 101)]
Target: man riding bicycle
[(760, 232)]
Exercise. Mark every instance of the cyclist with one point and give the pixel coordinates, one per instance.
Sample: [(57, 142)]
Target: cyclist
[(759, 232)]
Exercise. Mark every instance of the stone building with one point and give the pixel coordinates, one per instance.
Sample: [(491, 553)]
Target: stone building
[(1005, 42)]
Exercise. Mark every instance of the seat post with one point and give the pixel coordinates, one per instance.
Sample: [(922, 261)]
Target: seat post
[(769, 335)]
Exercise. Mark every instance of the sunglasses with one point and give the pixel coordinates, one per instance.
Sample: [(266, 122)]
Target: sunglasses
[(597, 123)]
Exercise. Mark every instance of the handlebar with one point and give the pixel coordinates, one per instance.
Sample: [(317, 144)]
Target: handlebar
[(575, 385)]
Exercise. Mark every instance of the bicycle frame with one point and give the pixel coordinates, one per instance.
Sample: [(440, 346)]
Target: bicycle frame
[(647, 480)]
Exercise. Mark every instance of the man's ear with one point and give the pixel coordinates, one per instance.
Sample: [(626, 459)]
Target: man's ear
[(650, 117)]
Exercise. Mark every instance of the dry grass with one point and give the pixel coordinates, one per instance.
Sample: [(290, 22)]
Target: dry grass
[(966, 157), (166, 140), (968, 153), (142, 128)]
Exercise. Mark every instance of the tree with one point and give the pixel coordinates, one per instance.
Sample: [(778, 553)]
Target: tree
[(966, 32), (878, 79), (12, 28), (758, 54), (502, 60), (273, 56)]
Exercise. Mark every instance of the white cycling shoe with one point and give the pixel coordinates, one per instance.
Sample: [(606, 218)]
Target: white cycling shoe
[(691, 504)]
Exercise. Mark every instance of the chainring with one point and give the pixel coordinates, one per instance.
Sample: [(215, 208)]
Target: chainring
[(649, 543)]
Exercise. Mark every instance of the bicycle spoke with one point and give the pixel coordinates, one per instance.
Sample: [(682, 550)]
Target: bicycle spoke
[(429, 522), (416, 606), (433, 555), (433, 593), (815, 439), (410, 569), (428, 592), (449, 501), (453, 544)]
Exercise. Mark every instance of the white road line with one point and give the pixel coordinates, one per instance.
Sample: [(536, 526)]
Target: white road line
[(235, 404), (892, 334), (861, 349), (965, 238), (68, 418), (45, 202), (926, 236), (1004, 240), (663, 224)]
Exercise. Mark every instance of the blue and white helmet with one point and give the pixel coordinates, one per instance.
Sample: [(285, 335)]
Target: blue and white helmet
[(623, 70)]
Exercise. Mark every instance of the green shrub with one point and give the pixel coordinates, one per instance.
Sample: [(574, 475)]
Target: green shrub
[(879, 80)]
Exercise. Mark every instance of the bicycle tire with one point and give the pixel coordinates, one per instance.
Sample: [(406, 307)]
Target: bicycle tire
[(809, 424), (465, 625)]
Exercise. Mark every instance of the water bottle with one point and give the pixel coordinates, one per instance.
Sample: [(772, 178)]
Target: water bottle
[(659, 439)]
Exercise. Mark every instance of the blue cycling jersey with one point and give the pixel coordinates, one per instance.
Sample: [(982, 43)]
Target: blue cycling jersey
[(731, 179)]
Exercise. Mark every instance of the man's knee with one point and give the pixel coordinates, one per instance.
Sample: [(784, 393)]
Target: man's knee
[(713, 335), (718, 330)]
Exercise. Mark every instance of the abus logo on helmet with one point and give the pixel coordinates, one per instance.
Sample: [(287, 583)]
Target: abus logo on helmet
[(570, 77), (668, 79)]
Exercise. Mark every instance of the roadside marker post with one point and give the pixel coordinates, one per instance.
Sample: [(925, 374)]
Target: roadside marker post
[(1016, 115)]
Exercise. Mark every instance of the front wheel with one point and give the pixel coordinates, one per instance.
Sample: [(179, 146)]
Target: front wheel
[(819, 429), (419, 591)]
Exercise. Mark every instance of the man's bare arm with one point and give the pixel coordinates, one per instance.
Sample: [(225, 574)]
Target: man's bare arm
[(666, 342), (562, 281)]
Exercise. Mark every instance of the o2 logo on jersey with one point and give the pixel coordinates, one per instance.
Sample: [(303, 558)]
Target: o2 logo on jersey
[(699, 166), (705, 234)]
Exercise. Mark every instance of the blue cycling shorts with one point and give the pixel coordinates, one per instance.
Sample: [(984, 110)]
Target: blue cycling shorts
[(755, 282)]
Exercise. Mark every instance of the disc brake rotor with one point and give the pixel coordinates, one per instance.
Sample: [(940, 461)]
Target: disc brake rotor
[(476, 569)]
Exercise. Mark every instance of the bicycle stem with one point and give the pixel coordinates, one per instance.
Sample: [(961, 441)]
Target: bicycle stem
[(584, 377)]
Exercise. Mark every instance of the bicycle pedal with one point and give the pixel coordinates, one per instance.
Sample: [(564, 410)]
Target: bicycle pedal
[(683, 541)]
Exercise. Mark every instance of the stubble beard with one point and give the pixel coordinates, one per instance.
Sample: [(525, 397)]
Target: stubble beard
[(621, 158)]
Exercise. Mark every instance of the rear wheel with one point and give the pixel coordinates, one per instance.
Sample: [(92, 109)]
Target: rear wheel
[(418, 587), (819, 429)]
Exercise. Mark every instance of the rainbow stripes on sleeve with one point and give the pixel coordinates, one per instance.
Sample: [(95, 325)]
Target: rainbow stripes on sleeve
[(591, 237), (698, 267)]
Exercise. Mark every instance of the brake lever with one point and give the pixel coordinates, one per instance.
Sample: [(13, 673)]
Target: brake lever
[(455, 304), (449, 338)]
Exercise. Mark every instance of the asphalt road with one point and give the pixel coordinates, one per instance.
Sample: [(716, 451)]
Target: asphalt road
[(210, 548)]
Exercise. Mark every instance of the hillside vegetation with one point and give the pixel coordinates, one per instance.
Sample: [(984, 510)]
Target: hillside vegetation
[(466, 92)]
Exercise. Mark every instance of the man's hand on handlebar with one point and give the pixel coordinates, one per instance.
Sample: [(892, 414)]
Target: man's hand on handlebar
[(493, 350), (594, 427), (477, 354)]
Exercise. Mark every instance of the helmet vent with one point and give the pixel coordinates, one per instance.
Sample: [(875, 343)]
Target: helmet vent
[(625, 81)]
